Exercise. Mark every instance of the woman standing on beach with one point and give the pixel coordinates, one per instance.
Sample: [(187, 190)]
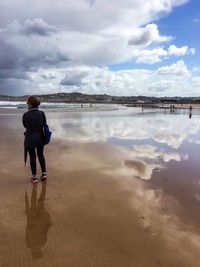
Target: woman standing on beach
[(34, 121)]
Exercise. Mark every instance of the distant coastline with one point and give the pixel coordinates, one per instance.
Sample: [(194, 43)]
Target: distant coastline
[(145, 101)]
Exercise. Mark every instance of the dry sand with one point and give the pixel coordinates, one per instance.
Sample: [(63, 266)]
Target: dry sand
[(91, 213)]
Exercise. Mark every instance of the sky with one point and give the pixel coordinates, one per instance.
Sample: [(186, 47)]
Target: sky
[(129, 47)]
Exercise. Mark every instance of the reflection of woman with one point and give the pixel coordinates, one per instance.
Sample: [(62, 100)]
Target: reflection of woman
[(34, 121), (38, 222)]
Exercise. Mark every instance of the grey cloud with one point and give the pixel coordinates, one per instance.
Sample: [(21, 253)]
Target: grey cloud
[(37, 27), (160, 86), (48, 76), (16, 57), (17, 60), (141, 39), (74, 79), (31, 27), (9, 55), (46, 58), (147, 35), (12, 86), (91, 2), (13, 74), (157, 89)]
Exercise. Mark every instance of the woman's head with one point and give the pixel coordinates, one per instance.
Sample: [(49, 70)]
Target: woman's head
[(33, 101)]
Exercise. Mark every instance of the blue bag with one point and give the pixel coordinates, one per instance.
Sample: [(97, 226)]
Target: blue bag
[(47, 134)]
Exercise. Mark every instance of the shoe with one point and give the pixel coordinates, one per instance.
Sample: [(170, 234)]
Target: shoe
[(34, 179), (43, 177)]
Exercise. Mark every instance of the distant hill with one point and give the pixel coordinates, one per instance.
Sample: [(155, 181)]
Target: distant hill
[(76, 97)]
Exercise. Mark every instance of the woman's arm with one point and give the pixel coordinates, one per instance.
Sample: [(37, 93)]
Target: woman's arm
[(45, 120), (24, 120)]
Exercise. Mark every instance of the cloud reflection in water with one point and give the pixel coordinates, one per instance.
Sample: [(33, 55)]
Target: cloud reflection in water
[(151, 139)]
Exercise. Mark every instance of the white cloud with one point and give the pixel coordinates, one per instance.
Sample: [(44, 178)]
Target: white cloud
[(196, 81), (87, 16), (151, 56), (196, 69), (155, 153), (179, 69), (133, 82), (95, 80), (180, 51), (191, 51), (162, 85), (174, 140)]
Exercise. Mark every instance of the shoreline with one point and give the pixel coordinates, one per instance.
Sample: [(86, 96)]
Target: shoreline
[(166, 106)]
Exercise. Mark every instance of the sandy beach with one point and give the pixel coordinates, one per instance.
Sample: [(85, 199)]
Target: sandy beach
[(112, 199)]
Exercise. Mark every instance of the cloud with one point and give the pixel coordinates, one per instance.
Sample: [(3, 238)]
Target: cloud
[(196, 81), (74, 78), (147, 35), (36, 27), (9, 55), (53, 36), (144, 159), (141, 169), (13, 74), (96, 80), (91, 2), (128, 82), (161, 85), (22, 54), (23, 46), (159, 129), (180, 51), (48, 75), (179, 69), (155, 153), (173, 50), (151, 56), (89, 15), (174, 140)]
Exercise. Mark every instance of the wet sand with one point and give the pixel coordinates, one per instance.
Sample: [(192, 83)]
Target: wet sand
[(94, 210)]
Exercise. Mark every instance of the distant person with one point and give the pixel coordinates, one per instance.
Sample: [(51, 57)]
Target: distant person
[(34, 121), (190, 114)]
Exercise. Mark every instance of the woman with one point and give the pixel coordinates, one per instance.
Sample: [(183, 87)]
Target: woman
[(34, 121)]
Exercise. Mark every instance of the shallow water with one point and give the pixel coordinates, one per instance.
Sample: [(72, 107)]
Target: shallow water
[(161, 148), (123, 189)]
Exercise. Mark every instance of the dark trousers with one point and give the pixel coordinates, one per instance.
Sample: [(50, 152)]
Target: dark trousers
[(32, 153)]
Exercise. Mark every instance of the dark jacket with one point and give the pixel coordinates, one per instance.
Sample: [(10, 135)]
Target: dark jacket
[(34, 121)]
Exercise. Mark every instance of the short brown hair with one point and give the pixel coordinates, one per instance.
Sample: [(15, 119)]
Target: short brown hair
[(33, 101)]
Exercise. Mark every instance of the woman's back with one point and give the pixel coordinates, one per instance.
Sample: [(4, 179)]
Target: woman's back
[(34, 121)]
